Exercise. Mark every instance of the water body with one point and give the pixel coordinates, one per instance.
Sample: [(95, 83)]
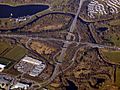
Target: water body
[(71, 86), (7, 11), (101, 29), (98, 82)]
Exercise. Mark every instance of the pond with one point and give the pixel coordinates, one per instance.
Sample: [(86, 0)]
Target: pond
[(101, 29), (7, 11), (99, 81), (71, 86)]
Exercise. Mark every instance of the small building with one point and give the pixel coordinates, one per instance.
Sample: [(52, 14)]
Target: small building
[(37, 70), (3, 83), (2, 66), (31, 60), (21, 86)]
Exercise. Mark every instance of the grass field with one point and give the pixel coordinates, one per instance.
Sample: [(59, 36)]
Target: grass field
[(118, 77), (4, 46), (9, 54), (16, 53), (115, 22), (4, 61), (113, 56), (115, 40)]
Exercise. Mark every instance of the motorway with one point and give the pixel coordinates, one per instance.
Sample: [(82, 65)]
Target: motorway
[(65, 47)]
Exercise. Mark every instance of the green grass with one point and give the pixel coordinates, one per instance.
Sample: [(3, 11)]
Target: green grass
[(3, 46), (115, 22), (9, 65), (4, 61), (10, 3), (12, 53), (113, 56), (16, 53), (115, 40), (118, 77)]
